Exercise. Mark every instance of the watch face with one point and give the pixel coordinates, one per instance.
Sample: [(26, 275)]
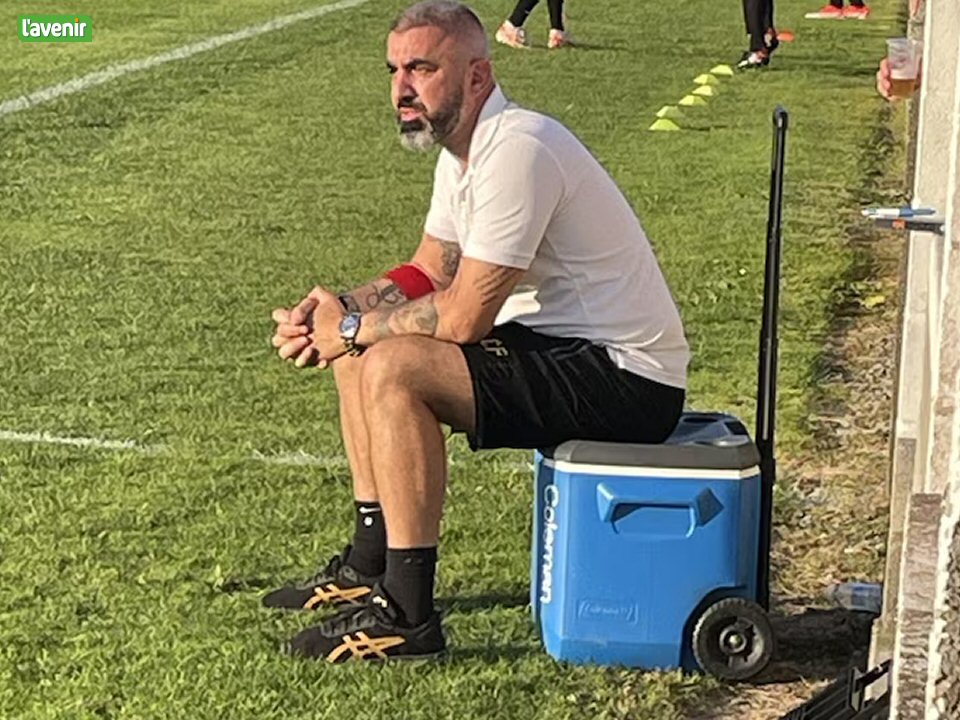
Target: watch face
[(349, 325)]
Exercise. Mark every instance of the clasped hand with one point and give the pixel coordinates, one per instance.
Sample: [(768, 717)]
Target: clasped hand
[(309, 332)]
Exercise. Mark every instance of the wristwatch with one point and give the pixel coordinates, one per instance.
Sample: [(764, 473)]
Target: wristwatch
[(349, 327)]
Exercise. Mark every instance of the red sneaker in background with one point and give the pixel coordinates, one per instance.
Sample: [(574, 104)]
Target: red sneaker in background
[(827, 12), (856, 12)]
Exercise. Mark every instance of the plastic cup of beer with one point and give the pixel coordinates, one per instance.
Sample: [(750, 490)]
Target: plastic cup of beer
[(903, 58)]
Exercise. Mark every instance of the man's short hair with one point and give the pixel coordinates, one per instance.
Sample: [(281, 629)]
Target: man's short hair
[(454, 18)]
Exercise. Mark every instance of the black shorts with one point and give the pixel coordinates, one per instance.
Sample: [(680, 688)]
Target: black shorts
[(534, 391)]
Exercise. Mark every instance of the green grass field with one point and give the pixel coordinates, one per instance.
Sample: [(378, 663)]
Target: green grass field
[(149, 225)]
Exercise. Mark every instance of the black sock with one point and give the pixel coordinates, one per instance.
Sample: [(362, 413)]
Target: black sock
[(409, 581), (519, 15), (556, 14), (369, 552)]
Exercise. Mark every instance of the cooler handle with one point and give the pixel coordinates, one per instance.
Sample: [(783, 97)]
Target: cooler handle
[(704, 505)]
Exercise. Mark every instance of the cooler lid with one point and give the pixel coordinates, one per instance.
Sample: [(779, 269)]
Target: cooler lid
[(714, 441)]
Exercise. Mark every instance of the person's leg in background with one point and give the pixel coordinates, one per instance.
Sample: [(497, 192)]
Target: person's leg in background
[(755, 12), (833, 10), (758, 16), (511, 32), (772, 36), (857, 10), (769, 33), (558, 36), (520, 13)]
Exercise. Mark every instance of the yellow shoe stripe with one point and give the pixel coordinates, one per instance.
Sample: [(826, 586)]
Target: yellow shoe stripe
[(362, 646), (332, 593)]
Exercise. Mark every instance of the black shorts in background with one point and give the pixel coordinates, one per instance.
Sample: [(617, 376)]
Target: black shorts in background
[(534, 390)]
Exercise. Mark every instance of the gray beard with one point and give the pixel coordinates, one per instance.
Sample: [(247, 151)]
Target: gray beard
[(426, 133), (423, 139)]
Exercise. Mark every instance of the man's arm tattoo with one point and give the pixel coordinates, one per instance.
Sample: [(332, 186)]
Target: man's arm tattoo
[(493, 282), (379, 293), (417, 317), (450, 258), (386, 295)]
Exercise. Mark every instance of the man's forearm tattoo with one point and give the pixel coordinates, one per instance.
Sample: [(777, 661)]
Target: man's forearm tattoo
[(450, 258), (386, 295), (493, 282), (417, 317), (372, 296)]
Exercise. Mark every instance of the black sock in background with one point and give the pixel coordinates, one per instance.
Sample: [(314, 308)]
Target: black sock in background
[(409, 581), (520, 12), (556, 14), (369, 551)]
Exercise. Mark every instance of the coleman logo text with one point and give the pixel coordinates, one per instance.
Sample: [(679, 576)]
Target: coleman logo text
[(551, 498)]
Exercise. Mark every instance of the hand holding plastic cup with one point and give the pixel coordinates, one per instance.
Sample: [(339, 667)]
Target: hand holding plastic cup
[(903, 61)]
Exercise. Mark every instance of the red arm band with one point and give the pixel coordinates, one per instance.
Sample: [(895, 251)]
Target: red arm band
[(412, 281)]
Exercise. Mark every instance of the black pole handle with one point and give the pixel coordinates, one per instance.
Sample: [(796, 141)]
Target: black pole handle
[(767, 363)]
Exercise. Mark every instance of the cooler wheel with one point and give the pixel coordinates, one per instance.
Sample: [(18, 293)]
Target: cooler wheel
[(733, 639)]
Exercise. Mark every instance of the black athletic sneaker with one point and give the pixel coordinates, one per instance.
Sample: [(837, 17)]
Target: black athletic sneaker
[(372, 632), (752, 60), (336, 584)]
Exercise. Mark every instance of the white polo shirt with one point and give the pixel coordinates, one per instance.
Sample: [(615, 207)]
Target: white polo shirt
[(533, 197)]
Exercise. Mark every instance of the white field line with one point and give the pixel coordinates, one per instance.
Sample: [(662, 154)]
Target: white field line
[(112, 72), (331, 462), (337, 462), (48, 439)]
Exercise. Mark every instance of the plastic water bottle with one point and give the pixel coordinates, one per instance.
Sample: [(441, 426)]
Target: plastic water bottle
[(858, 596)]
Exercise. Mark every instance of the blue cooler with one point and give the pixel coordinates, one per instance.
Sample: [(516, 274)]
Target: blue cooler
[(657, 556), (632, 544)]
